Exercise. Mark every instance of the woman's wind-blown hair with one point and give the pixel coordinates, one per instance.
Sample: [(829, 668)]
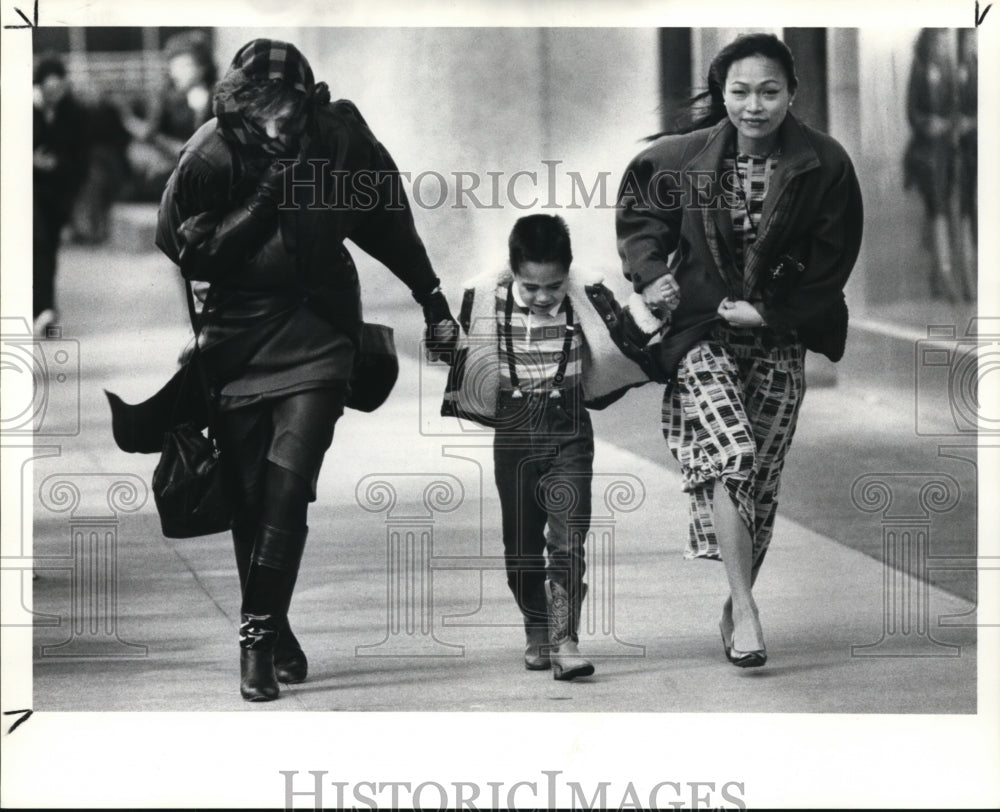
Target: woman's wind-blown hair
[(708, 108)]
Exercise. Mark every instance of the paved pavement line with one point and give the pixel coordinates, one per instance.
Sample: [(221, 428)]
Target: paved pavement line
[(894, 330), (784, 527)]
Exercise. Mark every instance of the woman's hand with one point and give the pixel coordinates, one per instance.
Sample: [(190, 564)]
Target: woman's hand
[(271, 188), (662, 294), (440, 328), (740, 313)]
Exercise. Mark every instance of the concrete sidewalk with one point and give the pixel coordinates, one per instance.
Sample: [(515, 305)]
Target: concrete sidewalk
[(401, 605)]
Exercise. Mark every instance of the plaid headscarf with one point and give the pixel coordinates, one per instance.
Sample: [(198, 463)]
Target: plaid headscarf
[(257, 64)]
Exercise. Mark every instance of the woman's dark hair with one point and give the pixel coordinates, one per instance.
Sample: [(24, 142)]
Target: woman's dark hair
[(266, 97), (539, 238), (708, 108)]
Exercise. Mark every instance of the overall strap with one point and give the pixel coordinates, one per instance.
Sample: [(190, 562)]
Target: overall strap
[(509, 342), (508, 334)]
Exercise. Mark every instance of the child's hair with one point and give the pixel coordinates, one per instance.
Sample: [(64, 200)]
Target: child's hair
[(539, 238)]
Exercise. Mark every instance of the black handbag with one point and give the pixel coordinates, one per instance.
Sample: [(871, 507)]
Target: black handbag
[(376, 368), (188, 485)]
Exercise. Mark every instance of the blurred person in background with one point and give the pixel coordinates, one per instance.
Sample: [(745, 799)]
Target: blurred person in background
[(108, 175), (61, 153), (968, 149), (182, 104), (938, 100)]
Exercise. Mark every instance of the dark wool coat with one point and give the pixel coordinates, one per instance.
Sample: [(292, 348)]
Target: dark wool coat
[(673, 217), (286, 314)]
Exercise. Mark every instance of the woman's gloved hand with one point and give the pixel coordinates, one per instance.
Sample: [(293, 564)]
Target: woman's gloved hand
[(270, 193), (441, 329)]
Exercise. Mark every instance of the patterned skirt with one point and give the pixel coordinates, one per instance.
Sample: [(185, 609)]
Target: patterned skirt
[(730, 418)]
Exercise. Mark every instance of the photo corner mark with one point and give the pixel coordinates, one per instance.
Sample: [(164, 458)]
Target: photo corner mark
[(25, 715), (32, 23)]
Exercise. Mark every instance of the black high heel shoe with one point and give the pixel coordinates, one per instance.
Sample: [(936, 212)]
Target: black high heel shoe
[(742, 659)]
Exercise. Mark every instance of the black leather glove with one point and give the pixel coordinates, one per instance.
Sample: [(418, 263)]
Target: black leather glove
[(441, 330), (270, 193)]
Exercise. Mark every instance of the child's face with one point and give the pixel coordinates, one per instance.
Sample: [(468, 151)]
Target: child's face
[(542, 285)]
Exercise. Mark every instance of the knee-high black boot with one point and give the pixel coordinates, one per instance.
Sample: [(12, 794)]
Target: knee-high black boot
[(290, 663), (244, 538), (271, 579)]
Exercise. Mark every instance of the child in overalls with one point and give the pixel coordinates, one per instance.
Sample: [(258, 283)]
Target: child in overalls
[(540, 344)]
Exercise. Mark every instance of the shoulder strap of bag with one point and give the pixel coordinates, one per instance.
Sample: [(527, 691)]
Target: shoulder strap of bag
[(194, 362)]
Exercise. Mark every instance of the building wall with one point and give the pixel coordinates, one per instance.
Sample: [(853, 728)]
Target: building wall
[(494, 100), (898, 259)]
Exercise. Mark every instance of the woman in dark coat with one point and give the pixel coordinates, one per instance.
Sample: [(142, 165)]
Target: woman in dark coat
[(282, 319), (178, 108), (743, 190)]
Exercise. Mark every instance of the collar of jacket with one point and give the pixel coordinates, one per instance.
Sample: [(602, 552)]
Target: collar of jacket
[(797, 157), (606, 375)]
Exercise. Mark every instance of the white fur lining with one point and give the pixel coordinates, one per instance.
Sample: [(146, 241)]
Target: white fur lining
[(645, 318), (605, 370)]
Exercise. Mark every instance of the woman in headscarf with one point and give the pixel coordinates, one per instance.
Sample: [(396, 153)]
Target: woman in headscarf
[(281, 321)]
